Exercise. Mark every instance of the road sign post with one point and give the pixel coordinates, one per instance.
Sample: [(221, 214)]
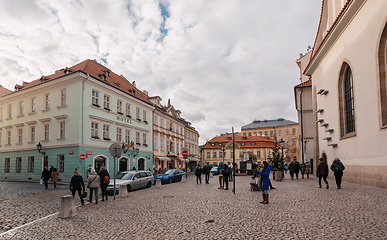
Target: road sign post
[(115, 150), (185, 155)]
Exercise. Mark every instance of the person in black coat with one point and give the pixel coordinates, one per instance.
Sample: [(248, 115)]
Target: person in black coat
[(207, 171), (76, 184), (198, 174), (45, 176), (102, 173), (297, 168)]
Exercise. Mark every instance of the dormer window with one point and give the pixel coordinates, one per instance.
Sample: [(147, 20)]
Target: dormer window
[(219, 144), (243, 144), (253, 143), (212, 144), (103, 77), (228, 138)]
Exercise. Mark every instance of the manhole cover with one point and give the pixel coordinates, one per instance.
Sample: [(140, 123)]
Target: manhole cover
[(168, 196)]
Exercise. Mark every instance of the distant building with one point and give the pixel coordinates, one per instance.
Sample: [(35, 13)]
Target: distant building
[(255, 148), (349, 85), (78, 110), (278, 129)]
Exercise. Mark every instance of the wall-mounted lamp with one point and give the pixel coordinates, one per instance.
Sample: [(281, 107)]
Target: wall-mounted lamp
[(320, 120), (39, 148), (329, 130)]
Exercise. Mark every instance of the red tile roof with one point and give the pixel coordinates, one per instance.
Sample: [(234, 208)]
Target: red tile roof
[(98, 71), (304, 84), (4, 91)]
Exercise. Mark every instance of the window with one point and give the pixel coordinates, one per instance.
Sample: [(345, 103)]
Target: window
[(127, 111), (61, 163), (9, 112), (144, 139), (293, 131), (255, 134), (260, 133), (271, 133), (62, 97), (62, 129), (244, 134), (20, 135), (127, 135), (249, 133), (94, 130), (144, 116), (208, 155), (168, 146), (46, 133), (106, 102), (214, 154), (18, 164), (119, 135), (220, 154), (119, 107), (279, 132), (162, 144), (6, 165), (33, 105), (177, 148), (383, 75), (294, 141), (138, 138), (106, 134), (346, 101), (31, 164), (9, 137), (265, 133), (155, 120), (1, 114), (47, 101), (138, 113), (161, 122), (32, 133), (21, 104), (259, 154), (155, 145), (287, 132), (95, 98)]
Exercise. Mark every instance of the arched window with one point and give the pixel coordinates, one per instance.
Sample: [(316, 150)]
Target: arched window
[(346, 102), (382, 55)]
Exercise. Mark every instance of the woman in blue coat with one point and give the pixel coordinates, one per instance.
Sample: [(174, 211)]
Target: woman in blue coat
[(265, 173)]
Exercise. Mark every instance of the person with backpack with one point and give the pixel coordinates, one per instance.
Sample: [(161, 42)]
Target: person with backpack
[(337, 167), (104, 178), (76, 184), (93, 184)]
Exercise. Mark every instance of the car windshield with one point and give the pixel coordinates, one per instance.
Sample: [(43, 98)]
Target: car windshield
[(124, 176), (167, 172)]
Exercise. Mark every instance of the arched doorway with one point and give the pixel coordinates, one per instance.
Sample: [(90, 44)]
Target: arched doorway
[(123, 164), (100, 161), (141, 164)]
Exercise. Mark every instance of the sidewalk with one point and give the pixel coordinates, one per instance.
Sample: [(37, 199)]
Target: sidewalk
[(297, 210)]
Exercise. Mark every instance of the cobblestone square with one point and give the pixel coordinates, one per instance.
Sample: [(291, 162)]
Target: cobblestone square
[(298, 209)]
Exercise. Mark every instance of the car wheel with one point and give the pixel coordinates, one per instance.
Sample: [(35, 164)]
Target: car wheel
[(129, 188), (170, 180), (149, 185)]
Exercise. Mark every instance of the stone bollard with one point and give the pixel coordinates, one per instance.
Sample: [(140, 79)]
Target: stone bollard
[(123, 191), (67, 207), (158, 183), (182, 178)]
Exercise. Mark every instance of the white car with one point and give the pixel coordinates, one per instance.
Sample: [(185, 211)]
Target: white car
[(214, 170), (132, 179)]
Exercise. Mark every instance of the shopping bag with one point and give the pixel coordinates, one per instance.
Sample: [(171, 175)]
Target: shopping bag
[(41, 181)]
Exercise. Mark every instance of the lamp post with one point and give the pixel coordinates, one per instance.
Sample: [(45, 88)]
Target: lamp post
[(39, 148), (222, 148), (282, 144)]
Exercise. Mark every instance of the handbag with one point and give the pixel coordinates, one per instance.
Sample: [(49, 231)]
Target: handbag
[(41, 181), (84, 194)]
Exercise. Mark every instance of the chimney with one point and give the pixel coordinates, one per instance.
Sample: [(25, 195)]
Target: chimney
[(169, 102), (134, 83), (146, 92)]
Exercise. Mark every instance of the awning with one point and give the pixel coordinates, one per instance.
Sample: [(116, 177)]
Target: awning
[(175, 158), (194, 159), (161, 158)]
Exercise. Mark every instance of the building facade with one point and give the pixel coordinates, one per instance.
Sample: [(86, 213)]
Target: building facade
[(78, 110), (192, 145), (255, 148), (348, 69), (278, 129)]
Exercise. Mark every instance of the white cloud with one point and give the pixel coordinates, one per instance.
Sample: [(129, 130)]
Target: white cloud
[(222, 63)]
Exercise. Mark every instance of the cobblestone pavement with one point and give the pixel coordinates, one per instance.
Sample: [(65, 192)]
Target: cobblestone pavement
[(297, 210)]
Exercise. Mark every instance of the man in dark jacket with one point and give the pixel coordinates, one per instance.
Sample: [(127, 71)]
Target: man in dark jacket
[(322, 172), (45, 176), (198, 174), (77, 184), (337, 167), (104, 182), (297, 168), (207, 171)]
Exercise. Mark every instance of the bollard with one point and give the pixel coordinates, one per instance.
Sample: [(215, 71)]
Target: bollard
[(67, 207), (158, 183), (182, 178), (123, 191)]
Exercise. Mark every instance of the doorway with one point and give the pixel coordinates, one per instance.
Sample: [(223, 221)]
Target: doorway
[(123, 165), (141, 164), (99, 162)]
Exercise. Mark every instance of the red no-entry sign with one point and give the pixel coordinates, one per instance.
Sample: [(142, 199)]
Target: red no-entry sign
[(82, 157), (184, 153)]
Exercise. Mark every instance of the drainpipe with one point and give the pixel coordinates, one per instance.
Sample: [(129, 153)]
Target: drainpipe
[(302, 126)]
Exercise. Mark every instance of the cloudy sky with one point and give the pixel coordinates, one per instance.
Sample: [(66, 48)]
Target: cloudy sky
[(223, 63)]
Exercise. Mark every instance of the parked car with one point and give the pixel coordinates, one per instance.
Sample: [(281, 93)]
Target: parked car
[(214, 171), (133, 180), (170, 176)]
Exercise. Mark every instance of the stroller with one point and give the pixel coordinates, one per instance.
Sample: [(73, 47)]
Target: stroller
[(256, 183)]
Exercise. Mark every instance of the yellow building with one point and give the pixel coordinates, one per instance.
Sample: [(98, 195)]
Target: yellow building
[(278, 129)]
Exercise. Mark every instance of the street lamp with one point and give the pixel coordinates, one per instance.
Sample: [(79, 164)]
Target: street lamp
[(222, 148), (39, 148)]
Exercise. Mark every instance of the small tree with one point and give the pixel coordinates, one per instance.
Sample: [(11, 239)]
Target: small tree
[(277, 159)]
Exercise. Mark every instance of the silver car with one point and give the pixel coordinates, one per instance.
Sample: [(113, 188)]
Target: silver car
[(132, 179)]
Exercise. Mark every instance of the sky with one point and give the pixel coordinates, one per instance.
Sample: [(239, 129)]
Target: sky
[(222, 63)]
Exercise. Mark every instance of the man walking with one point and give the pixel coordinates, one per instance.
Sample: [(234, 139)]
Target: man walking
[(337, 167), (230, 166), (322, 171), (207, 171)]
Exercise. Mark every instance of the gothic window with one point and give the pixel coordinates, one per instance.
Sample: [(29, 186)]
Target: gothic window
[(383, 75), (346, 102)]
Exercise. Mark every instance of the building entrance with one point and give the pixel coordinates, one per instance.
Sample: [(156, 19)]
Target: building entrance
[(99, 162)]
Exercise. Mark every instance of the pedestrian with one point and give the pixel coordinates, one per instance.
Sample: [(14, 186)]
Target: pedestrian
[(93, 185), (337, 167), (265, 173), (198, 174), (207, 172), (45, 176), (51, 169), (308, 169), (286, 167), (104, 178), (226, 173), (89, 170), (296, 168), (230, 167), (220, 168), (322, 172), (292, 169), (76, 184), (55, 176), (302, 169)]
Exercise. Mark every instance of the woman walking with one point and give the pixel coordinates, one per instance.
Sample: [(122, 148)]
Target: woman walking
[(93, 185), (55, 176), (104, 181), (265, 173), (76, 184), (322, 172)]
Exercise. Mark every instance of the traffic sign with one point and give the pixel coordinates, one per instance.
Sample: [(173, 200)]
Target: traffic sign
[(115, 150), (82, 157), (184, 153)]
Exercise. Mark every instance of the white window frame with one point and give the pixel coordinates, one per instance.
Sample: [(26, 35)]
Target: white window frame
[(46, 131), (95, 130), (127, 110), (95, 98), (31, 164), (62, 130), (61, 162), (138, 111), (127, 135), (33, 105), (106, 102), (138, 140), (119, 106), (119, 135), (46, 101), (62, 100), (144, 116), (9, 115), (20, 135), (106, 132), (144, 137), (21, 108)]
